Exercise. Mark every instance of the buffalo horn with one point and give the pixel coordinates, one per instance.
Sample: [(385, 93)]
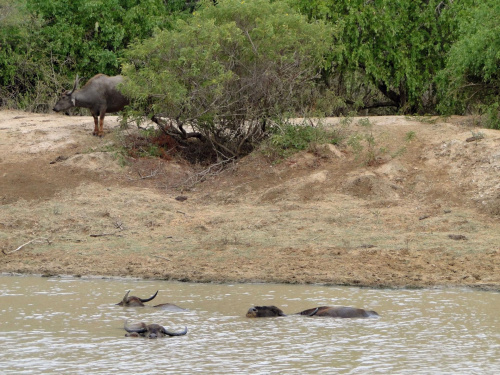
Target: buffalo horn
[(167, 332), (140, 328), (314, 311), (150, 298), (74, 86), (125, 299)]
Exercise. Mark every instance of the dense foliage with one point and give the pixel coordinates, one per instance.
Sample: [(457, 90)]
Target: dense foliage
[(229, 67), (471, 80), (396, 47), (49, 41), (227, 71)]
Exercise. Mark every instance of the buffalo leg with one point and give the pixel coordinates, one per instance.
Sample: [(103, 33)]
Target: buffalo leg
[(101, 125), (96, 126)]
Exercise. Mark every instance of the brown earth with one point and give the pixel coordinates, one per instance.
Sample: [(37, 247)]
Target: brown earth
[(417, 206)]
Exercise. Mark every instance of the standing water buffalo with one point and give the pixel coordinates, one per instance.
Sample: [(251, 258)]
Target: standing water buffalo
[(100, 95), (330, 311), (134, 301), (151, 331)]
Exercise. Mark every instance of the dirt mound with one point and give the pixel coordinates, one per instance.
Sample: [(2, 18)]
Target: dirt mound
[(96, 161), (403, 202), (369, 185)]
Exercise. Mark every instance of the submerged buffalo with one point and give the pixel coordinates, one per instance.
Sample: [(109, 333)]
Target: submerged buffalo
[(339, 312), (100, 95), (330, 311), (264, 312), (151, 331), (134, 301)]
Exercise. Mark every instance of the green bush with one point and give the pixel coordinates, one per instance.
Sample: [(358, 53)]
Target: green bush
[(471, 80), (286, 139), (223, 74), (393, 47)]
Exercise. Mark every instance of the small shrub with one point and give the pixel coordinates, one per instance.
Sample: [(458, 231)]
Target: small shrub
[(364, 147), (426, 119), (492, 115), (355, 142), (410, 136), (287, 139), (225, 72), (365, 122), (346, 121)]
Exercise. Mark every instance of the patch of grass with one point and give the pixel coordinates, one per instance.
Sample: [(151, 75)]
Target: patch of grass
[(364, 147), (400, 151), (346, 121), (287, 139), (365, 122), (410, 136), (426, 119)]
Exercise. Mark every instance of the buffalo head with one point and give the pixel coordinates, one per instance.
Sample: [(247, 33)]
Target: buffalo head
[(134, 301), (67, 100), (151, 331), (264, 312)]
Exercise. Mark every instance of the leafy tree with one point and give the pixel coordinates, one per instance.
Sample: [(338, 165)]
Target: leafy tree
[(90, 35), (223, 74), (44, 43), (394, 46), (471, 79)]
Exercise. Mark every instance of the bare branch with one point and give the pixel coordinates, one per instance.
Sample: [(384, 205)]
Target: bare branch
[(105, 234), (39, 239), (251, 42), (212, 170)]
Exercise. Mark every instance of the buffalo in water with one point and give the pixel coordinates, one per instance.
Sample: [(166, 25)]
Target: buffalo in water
[(330, 311), (151, 331), (134, 301)]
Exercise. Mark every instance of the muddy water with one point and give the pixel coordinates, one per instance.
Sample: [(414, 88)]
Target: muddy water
[(71, 326)]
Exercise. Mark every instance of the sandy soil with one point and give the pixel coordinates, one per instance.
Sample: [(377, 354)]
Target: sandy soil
[(419, 207)]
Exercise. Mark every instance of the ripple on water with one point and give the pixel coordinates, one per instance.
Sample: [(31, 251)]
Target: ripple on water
[(73, 326)]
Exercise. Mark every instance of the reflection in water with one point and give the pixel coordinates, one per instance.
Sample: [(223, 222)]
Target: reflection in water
[(54, 325)]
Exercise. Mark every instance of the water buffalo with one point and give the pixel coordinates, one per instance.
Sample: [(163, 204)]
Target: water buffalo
[(264, 312), (151, 331), (339, 312), (330, 311), (134, 301), (100, 95)]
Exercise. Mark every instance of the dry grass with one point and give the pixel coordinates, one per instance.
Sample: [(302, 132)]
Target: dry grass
[(315, 218)]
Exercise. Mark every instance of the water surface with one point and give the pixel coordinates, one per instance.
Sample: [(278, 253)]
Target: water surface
[(70, 325)]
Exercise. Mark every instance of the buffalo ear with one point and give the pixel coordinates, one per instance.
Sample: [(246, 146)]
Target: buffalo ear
[(277, 311), (73, 100), (280, 312)]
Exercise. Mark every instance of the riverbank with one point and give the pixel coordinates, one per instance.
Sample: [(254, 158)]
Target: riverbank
[(418, 207)]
